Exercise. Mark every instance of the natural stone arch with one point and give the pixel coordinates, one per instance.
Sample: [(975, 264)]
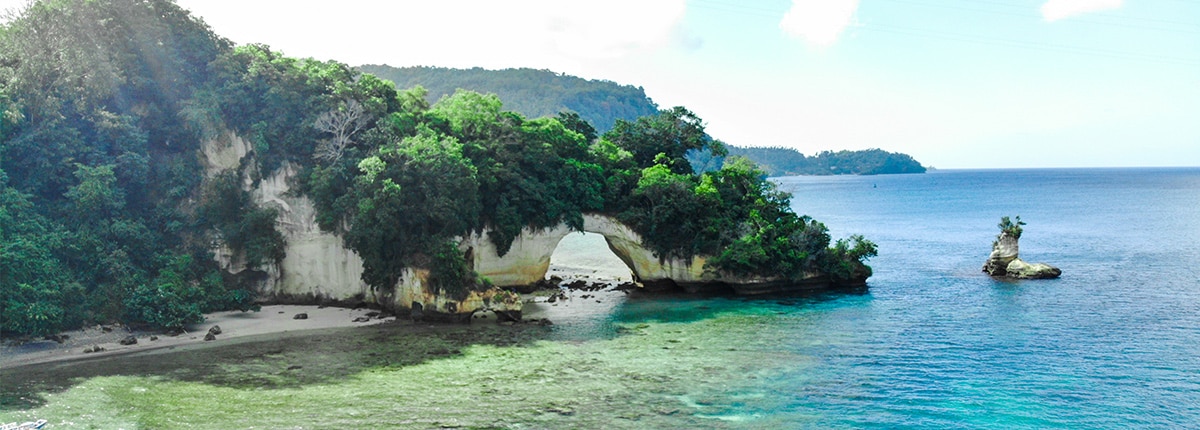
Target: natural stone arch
[(528, 259), (585, 254)]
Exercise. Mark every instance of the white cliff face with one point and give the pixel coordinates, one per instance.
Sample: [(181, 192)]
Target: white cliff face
[(529, 257), (627, 245), (223, 153), (317, 266), (525, 262)]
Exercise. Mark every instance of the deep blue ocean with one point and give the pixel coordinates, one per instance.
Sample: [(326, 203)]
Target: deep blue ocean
[(936, 343)]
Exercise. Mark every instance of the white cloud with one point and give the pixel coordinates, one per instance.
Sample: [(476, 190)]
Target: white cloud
[(451, 33), (818, 22), (1054, 10)]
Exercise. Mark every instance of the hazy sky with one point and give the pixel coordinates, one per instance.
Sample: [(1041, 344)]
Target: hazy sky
[(956, 84)]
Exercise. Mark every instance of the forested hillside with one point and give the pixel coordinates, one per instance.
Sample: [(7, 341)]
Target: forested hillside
[(107, 214), (538, 93), (789, 162), (533, 93)]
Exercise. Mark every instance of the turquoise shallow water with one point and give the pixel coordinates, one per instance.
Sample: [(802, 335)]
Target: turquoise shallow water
[(1114, 343), (932, 343)]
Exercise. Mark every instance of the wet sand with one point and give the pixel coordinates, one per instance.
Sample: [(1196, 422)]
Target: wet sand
[(234, 324), (579, 257)]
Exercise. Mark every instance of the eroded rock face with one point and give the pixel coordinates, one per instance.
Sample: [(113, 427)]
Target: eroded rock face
[(1004, 251), (317, 267), (1005, 261), (1022, 270), (529, 258)]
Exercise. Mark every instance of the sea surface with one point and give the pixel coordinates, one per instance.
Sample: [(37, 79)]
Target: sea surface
[(936, 343), (931, 343)]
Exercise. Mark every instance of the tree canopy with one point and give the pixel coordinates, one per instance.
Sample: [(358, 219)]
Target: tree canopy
[(106, 213), (533, 93)]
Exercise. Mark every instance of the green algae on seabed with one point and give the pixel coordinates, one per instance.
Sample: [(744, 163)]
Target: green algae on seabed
[(653, 374)]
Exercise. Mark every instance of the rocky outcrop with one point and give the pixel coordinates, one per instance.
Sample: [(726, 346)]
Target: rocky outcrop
[(317, 266), (529, 257), (1005, 261), (1022, 270)]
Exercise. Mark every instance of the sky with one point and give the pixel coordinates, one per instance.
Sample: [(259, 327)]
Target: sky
[(955, 84)]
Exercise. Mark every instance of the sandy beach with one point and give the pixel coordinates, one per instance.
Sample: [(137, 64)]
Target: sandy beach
[(573, 261), (234, 324)]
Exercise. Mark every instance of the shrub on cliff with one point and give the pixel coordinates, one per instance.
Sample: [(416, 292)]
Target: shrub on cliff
[(1011, 227)]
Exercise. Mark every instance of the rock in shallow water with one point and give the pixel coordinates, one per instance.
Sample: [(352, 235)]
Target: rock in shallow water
[(1005, 261), (1022, 270)]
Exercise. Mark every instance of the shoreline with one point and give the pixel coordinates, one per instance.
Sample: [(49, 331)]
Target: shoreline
[(570, 265), (270, 319)]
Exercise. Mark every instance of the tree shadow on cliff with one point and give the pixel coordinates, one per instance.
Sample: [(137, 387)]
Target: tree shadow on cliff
[(277, 361)]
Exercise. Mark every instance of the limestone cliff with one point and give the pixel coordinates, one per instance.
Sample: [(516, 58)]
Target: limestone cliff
[(529, 257), (317, 266)]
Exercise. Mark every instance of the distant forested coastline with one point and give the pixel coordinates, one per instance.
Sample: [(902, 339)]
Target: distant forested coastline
[(790, 162), (540, 93)]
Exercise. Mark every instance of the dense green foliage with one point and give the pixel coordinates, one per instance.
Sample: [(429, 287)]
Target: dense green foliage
[(106, 212), (96, 164), (789, 162), (1010, 227), (533, 93)]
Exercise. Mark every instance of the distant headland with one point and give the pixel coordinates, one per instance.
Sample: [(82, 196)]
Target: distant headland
[(537, 93)]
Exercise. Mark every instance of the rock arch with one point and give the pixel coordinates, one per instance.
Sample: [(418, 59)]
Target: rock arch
[(529, 257)]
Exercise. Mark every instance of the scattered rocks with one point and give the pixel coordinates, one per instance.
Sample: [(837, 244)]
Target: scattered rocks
[(215, 330), (300, 316), (362, 319), (373, 314), (209, 336), (93, 348), (577, 284), (153, 338), (129, 340), (626, 286)]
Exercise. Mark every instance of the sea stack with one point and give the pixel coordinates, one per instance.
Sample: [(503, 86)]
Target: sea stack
[(1005, 260)]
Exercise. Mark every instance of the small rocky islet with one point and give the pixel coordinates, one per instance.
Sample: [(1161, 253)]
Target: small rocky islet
[(1005, 262)]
